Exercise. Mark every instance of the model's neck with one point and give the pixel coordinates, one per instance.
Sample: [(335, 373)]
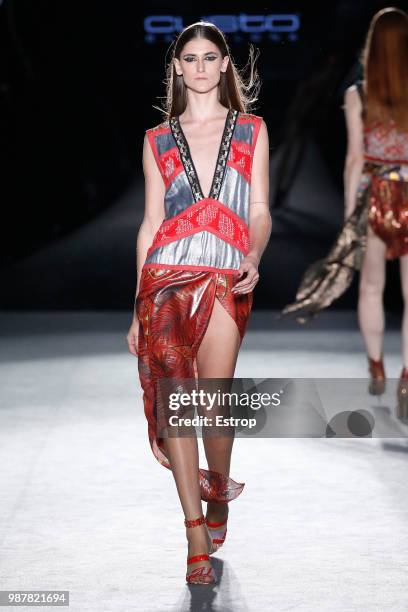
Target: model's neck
[(202, 107)]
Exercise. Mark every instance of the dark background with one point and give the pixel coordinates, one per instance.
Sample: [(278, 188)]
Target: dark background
[(78, 86)]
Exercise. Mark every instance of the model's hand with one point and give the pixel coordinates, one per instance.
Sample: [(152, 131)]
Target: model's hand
[(133, 336), (249, 267)]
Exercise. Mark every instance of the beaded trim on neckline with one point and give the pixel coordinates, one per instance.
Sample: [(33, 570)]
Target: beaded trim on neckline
[(222, 157)]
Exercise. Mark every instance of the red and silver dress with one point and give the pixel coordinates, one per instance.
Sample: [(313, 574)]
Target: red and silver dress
[(382, 204), (190, 263)]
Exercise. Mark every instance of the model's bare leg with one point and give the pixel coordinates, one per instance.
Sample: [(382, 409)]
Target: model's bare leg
[(216, 358), (404, 289), (183, 452), (183, 456), (370, 302)]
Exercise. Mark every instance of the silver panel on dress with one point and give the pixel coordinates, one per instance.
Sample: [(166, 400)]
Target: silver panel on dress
[(200, 249), (245, 132), (165, 142), (235, 193), (178, 196), (204, 248)]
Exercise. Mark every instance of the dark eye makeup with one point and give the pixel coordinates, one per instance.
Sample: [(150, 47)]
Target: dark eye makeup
[(192, 58)]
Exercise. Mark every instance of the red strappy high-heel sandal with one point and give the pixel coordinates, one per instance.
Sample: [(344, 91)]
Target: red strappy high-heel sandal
[(201, 574), (218, 533)]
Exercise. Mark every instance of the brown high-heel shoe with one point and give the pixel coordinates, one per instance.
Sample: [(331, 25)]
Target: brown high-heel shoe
[(201, 574), (402, 395), (377, 382)]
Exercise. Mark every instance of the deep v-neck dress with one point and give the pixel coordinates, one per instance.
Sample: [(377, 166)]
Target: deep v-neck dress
[(191, 262)]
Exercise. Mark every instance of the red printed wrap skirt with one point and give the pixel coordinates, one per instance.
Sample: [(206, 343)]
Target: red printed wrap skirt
[(174, 307)]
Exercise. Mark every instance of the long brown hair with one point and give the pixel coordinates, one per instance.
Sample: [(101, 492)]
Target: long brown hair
[(385, 60), (235, 90)]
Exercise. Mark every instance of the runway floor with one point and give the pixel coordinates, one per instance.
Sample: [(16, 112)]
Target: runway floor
[(320, 526)]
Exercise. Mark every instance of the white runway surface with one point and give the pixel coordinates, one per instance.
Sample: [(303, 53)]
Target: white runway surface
[(320, 526)]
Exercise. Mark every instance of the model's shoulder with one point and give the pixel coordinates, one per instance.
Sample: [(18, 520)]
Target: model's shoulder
[(356, 90), (351, 91), (160, 127)]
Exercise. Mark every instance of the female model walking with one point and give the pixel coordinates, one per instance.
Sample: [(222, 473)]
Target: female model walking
[(376, 196), (205, 227)]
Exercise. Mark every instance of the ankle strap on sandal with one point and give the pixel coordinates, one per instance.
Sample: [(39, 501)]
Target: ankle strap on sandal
[(213, 525), (196, 558), (194, 522)]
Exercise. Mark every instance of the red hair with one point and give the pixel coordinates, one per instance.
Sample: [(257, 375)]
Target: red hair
[(385, 59)]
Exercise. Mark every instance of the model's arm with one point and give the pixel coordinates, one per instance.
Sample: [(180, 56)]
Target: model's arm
[(153, 216), (260, 222), (154, 208), (355, 148)]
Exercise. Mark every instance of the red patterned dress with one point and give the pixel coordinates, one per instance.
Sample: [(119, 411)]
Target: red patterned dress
[(382, 204), (386, 155), (192, 261)]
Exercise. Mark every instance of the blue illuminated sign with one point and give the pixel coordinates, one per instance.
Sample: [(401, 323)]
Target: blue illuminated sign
[(275, 26)]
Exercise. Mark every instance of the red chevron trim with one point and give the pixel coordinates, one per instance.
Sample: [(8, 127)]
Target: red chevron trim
[(207, 214)]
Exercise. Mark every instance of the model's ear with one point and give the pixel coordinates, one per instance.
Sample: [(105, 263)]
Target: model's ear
[(177, 66), (224, 64)]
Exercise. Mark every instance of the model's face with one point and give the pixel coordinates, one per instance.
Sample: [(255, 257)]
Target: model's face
[(201, 64)]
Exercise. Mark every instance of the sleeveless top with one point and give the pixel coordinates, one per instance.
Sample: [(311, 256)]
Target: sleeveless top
[(198, 232), (383, 144)]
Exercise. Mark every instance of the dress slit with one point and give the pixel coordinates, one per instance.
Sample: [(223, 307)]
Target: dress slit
[(174, 308)]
